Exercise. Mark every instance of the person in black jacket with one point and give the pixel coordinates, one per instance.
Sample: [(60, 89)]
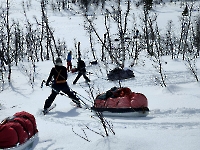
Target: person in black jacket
[(59, 75), (81, 71)]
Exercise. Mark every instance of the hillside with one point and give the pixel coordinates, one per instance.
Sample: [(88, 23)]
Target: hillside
[(173, 121)]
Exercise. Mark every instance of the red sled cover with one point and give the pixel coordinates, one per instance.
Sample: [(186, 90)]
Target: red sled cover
[(120, 98), (17, 129)]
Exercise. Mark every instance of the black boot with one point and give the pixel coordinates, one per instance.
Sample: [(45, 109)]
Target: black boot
[(77, 102), (45, 111), (79, 105)]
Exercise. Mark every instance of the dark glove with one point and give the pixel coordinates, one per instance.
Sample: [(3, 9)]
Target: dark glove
[(47, 84)]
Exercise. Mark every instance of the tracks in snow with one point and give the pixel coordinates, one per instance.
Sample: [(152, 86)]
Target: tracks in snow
[(181, 118)]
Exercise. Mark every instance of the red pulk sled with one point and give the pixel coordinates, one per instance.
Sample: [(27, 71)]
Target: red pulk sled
[(18, 132), (121, 102)]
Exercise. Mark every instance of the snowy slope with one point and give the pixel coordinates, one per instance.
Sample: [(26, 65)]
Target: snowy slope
[(173, 122)]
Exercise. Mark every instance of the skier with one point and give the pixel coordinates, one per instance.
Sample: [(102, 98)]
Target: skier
[(81, 71), (69, 61), (59, 73)]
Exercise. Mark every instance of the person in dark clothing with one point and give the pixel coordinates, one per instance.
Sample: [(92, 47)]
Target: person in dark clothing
[(59, 74), (81, 71)]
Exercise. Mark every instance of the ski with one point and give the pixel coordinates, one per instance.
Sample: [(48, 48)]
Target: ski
[(49, 109), (84, 84), (74, 104)]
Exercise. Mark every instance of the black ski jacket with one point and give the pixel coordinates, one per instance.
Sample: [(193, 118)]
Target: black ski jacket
[(81, 66), (58, 73)]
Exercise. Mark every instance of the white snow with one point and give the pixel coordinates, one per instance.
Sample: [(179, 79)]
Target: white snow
[(174, 119)]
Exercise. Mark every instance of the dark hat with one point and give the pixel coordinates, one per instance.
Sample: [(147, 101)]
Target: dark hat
[(58, 62)]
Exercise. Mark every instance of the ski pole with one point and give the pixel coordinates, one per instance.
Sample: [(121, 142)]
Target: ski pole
[(62, 93), (82, 96), (89, 72), (99, 76)]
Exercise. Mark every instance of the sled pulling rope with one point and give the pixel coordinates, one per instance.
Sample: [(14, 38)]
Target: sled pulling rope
[(62, 93)]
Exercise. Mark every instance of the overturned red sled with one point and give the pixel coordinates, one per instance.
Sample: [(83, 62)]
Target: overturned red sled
[(121, 102)]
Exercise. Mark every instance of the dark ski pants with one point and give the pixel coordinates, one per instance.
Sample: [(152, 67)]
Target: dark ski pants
[(79, 75), (56, 88), (69, 66)]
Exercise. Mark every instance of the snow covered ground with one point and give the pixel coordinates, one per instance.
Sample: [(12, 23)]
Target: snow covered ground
[(173, 122)]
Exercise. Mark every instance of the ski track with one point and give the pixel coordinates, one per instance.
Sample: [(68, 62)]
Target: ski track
[(172, 78), (166, 117), (146, 78), (151, 122)]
